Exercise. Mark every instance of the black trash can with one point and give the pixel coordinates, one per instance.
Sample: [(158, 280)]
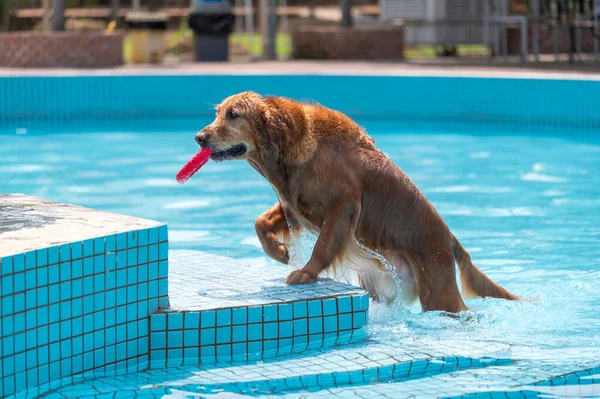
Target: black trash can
[(212, 23)]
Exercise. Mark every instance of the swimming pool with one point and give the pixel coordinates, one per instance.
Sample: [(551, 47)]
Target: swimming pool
[(526, 206)]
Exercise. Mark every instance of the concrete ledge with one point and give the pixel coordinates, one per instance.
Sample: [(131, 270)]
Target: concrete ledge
[(61, 49), (362, 42)]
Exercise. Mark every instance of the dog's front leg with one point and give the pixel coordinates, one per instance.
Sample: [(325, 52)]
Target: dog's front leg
[(339, 225), (268, 226)]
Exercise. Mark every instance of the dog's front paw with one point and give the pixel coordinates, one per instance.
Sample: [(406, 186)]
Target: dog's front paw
[(300, 277)]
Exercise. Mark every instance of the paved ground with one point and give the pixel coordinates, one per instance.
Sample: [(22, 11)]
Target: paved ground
[(413, 68)]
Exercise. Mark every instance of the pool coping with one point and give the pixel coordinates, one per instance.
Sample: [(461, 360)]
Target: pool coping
[(266, 68)]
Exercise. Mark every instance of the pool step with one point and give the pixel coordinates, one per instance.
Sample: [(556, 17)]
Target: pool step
[(87, 293), (222, 310)]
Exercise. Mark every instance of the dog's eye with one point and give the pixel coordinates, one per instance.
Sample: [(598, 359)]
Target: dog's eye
[(232, 114)]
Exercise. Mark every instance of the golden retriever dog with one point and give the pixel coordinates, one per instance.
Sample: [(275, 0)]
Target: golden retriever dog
[(332, 181)]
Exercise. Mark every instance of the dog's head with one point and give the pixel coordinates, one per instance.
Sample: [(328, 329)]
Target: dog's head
[(234, 132), (249, 126)]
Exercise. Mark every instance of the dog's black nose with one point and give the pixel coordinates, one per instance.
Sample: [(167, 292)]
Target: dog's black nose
[(200, 138)]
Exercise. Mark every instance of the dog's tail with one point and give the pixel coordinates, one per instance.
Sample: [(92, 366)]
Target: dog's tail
[(474, 282)]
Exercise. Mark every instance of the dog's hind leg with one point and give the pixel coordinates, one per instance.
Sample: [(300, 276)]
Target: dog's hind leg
[(273, 232), (435, 274)]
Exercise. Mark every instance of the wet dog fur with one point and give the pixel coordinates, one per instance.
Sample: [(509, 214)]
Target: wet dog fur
[(331, 180)]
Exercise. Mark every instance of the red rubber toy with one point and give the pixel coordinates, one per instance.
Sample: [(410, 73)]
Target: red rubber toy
[(193, 165)]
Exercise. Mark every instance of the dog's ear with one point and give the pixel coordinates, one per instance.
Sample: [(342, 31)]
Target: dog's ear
[(279, 125)]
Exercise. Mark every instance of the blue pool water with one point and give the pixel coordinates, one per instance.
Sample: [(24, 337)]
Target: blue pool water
[(527, 209)]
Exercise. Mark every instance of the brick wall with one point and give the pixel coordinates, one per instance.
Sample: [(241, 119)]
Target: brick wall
[(367, 42), (547, 41), (61, 49)]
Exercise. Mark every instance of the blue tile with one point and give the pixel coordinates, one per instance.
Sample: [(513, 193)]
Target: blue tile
[(64, 253), (285, 329), (285, 311), (207, 336), (270, 330), (7, 305), (175, 339), (121, 278), (7, 325), (19, 303), (32, 379), (19, 320), (99, 246), (330, 324), (132, 257), (132, 312), (163, 234), (9, 365), (143, 291), (19, 282), (344, 304), (65, 348), (191, 320), (132, 239), (224, 317), (121, 259), (8, 346), (76, 250), (239, 333), (30, 279), (121, 241), (142, 237), (7, 285), (9, 384), (18, 263), (64, 271), (43, 335), (153, 235), (132, 275), (223, 335), (121, 333), (121, 296), (76, 268), (255, 350), (110, 243), (329, 307), (359, 319), (88, 266), (163, 269), (30, 299), (158, 322), (54, 294), (31, 259), (99, 264), (42, 296), (315, 325), (42, 257), (110, 262), (110, 335), (163, 287), (208, 319), (175, 321), (88, 247), (6, 264), (239, 352), (20, 379), (153, 289), (142, 272), (224, 353), (255, 332), (153, 254), (207, 354), (270, 348), (315, 308), (358, 303), (131, 294), (163, 251), (65, 291), (345, 321), (270, 312), (190, 338)]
